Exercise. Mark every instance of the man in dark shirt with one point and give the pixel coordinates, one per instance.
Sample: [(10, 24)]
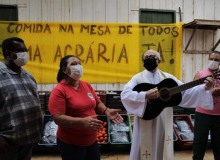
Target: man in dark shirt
[(20, 114)]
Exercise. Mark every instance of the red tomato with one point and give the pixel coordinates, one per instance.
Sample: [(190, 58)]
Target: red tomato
[(105, 124), (101, 138)]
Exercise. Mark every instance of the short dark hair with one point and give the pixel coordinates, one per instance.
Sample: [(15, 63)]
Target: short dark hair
[(63, 64), (8, 44), (216, 52)]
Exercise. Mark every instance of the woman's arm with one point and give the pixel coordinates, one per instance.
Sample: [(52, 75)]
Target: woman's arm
[(110, 113), (101, 108), (69, 122)]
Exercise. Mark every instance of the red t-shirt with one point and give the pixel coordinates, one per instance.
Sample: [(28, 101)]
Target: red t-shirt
[(73, 102)]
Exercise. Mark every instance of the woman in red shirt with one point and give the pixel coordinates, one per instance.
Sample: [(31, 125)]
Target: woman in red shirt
[(73, 104)]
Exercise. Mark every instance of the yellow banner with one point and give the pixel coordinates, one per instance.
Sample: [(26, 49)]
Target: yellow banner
[(109, 52)]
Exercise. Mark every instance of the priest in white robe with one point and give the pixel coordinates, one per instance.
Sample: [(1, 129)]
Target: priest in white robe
[(153, 139)]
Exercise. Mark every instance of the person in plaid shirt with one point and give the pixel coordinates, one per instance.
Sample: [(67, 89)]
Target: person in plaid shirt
[(20, 114)]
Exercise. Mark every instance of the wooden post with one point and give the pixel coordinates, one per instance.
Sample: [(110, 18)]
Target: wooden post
[(180, 14), (194, 31), (216, 45)]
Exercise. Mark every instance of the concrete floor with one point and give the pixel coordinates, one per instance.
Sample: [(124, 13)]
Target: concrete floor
[(123, 155)]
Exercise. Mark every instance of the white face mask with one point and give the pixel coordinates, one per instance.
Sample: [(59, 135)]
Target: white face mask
[(76, 72), (213, 65), (22, 59)]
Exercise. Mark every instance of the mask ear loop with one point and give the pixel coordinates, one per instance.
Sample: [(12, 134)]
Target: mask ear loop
[(15, 54), (13, 59)]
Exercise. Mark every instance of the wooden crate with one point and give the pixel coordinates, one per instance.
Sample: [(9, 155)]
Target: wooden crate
[(183, 144), (42, 97), (102, 95)]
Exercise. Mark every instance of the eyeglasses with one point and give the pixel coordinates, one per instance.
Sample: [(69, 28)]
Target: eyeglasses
[(151, 57)]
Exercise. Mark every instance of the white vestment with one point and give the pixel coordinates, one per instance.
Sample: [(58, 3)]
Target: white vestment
[(135, 103)]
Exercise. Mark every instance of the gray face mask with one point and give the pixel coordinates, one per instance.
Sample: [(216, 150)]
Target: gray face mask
[(22, 59), (76, 72)]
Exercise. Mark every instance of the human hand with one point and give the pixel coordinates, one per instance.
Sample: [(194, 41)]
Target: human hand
[(114, 116), (216, 91), (208, 83), (92, 123), (4, 146), (152, 93)]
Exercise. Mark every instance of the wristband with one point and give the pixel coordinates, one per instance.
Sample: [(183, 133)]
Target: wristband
[(105, 110)]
